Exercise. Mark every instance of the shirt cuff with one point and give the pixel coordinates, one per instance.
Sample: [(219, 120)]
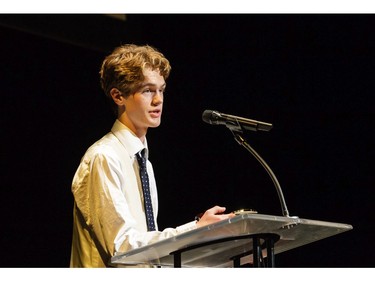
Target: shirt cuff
[(187, 227)]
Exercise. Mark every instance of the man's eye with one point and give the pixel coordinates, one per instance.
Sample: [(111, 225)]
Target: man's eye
[(147, 91), (153, 91)]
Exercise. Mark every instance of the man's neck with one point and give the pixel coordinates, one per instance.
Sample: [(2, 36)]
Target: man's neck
[(140, 133)]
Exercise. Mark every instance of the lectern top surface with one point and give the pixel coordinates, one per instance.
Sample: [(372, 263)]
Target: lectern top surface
[(293, 232)]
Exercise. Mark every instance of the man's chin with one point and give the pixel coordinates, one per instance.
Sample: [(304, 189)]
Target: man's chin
[(155, 124)]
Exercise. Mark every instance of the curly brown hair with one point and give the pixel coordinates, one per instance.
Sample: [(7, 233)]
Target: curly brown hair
[(123, 68)]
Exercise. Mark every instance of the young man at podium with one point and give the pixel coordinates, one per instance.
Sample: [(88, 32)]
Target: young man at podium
[(114, 188)]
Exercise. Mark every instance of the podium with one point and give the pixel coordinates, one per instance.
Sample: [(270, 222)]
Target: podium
[(245, 240)]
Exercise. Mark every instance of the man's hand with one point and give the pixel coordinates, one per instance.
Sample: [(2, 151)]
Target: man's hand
[(213, 215)]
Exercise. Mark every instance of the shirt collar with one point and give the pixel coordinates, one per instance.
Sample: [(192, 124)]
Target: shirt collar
[(128, 139)]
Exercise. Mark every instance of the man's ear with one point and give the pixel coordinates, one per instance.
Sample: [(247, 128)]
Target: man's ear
[(117, 97)]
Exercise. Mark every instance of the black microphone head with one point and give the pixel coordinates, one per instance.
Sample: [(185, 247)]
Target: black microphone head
[(207, 116), (213, 117)]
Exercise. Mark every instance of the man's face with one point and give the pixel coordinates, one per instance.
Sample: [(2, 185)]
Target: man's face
[(143, 109)]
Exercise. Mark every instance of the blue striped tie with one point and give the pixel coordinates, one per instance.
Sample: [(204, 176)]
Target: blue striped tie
[(146, 190)]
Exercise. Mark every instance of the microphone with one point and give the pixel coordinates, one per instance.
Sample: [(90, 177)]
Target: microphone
[(234, 122)]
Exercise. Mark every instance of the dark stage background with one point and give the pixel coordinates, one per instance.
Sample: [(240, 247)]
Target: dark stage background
[(311, 76)]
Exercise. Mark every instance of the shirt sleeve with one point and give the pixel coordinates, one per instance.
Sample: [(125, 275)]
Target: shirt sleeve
[(100, 199)]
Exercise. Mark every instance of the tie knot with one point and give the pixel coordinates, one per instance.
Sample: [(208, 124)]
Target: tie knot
[(141, 157)]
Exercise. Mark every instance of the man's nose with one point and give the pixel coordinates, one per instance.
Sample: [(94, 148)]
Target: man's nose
[(158, 97)]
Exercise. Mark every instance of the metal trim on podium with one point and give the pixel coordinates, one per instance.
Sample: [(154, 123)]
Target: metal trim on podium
[(248, 240)]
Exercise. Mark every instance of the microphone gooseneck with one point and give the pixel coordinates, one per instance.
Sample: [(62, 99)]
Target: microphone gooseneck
[(244, 143)]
